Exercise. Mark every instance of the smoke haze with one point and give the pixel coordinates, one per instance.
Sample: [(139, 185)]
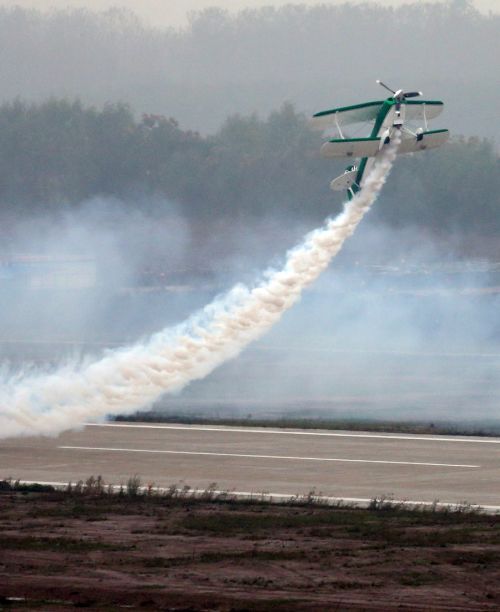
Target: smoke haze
[(130, 378), (107, 236), (403, 327)]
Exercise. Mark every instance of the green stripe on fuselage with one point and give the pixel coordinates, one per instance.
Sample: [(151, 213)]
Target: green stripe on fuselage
[(382, 114)]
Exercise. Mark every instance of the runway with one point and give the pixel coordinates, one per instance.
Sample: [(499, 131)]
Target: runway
[(347, 465)]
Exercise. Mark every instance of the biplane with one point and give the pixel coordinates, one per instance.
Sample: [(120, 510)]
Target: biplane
[(398, 112)]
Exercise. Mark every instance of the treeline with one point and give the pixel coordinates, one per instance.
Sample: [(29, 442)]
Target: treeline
[(60, 153), (224, 63), (55, 155)]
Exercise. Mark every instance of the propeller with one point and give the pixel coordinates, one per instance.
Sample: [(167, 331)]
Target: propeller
[(412, 94), (384, 85), (400, 95)]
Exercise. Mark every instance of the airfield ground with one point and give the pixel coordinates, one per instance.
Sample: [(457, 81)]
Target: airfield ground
[(60, 550), (340, 464), (104, 550)]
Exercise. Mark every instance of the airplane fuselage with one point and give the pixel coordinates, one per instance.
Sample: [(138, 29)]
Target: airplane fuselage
[(389, 118)]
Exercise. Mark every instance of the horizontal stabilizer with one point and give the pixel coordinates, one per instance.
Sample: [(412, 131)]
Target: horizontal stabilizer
[(344, 181), (425, 140), (351, 147)]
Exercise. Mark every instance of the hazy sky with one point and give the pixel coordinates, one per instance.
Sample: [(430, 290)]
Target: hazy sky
[(174, 12)]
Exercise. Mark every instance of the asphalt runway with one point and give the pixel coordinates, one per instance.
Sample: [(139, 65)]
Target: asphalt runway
[(347, 465)]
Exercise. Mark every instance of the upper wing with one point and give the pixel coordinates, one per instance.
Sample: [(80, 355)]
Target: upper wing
[(415, 109), (346, 115)]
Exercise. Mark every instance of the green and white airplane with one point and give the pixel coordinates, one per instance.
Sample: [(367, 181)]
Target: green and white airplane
[(394, 113)]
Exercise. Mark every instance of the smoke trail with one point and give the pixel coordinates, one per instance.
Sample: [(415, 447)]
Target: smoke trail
[(132, 378)]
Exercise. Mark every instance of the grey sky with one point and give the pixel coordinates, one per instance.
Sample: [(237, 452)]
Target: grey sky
[(174, 12)]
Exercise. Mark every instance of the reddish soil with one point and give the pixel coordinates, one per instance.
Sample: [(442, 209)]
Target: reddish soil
[(59, 551)]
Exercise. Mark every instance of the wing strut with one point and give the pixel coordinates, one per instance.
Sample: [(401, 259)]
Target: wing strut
[(338, 126)]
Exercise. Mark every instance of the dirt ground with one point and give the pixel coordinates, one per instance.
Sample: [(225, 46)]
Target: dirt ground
[(62, 550)]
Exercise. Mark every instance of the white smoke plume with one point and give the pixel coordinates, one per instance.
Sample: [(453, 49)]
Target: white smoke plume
[(131, 378)]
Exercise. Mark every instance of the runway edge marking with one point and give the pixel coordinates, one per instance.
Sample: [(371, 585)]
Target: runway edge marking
[(277, 457), (250, 430)]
